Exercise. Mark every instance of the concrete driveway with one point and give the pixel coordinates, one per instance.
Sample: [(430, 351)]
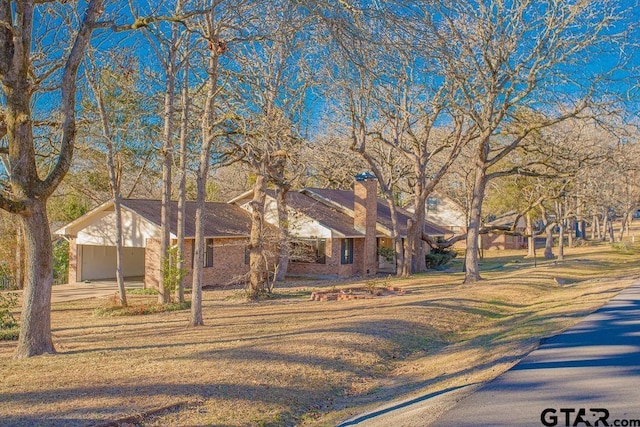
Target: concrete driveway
[(98, 289), (587, 376)]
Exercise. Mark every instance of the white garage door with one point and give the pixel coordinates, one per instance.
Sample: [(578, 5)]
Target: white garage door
[(99, 262)]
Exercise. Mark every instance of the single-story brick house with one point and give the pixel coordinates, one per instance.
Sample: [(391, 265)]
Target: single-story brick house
[(343, 229), (92, 252), (335, 233)]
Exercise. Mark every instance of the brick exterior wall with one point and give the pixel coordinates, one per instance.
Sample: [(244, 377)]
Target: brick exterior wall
[(494, 241), (365, 212), (73, 261), (333, 266), (228, 262), (152, 270)]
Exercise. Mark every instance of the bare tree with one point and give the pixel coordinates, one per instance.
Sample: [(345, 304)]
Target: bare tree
[(509, 58), (27, 193), (272, 95)]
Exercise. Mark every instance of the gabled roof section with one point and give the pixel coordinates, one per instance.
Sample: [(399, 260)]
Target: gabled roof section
[(344, 200), (507, 220), (220, 219), (321, 212)]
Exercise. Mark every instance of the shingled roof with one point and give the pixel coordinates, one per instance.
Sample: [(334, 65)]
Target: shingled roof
[(221, 219), (326, 215), (344, 199)]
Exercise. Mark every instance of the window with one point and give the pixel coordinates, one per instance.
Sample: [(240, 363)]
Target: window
[(308, 250), (432, 204), (247, 255), (208, 253), (346, 251)]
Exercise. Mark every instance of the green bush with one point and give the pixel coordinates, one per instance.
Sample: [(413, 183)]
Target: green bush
[(9, 329), (147, 291), (7, 302), (60, 262), (439, 257), (389, 254), (9, 334)]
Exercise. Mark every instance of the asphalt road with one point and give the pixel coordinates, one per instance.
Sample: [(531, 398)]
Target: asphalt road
[(587, 376)]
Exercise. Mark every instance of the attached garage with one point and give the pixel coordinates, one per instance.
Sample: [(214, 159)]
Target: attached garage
[(99, 262), (92, 248)]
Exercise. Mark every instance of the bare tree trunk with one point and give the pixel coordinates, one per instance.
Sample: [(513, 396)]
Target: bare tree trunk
[(113, 183), (561, 223), (623, 226), (170, 69), (408, 251), (570, 231), (418, 261), (256, 240), (612, 238), (182, 185), (277, 172), (548, 228), (283, 232), (472, 271), (29, 191), (198, 256), (531, 241), (167, 161), (548, 245), (207, 134), (119, 273), (35, 320), (397, 240), (595, 227), (605, 224)]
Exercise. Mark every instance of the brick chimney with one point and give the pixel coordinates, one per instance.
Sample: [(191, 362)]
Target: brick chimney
[(365, 216)]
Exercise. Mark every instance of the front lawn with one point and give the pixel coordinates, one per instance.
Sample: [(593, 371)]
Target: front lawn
[(291, 361)]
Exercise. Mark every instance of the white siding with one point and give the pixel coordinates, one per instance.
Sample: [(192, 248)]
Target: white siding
[(300, 225), (102, 230)]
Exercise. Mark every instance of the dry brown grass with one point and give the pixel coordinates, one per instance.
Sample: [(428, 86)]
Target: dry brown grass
[(291, 361)]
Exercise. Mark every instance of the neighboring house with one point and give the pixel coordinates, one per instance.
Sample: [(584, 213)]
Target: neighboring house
[(334, 233), (446, 213), (498, 240), (92, 252)]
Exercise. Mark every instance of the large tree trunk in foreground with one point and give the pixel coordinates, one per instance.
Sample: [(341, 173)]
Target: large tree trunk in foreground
[(29, 192), (207, 130), (472, 271), (35, 321), (418, 260), (198, 259), (257, 268)]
